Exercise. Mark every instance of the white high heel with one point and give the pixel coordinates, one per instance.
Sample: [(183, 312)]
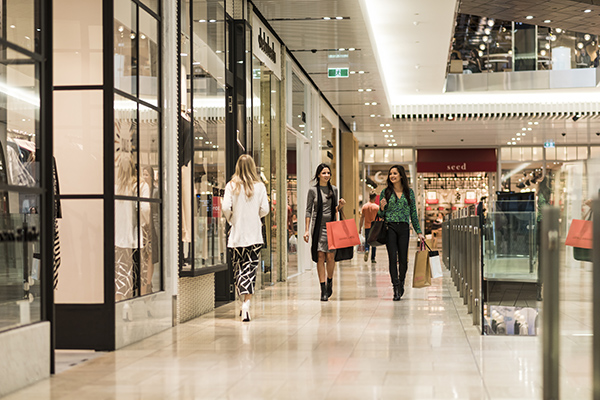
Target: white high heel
[(245, 313)]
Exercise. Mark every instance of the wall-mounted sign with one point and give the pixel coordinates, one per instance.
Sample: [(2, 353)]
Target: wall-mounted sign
[(265, 47), (457, 160), (338, 72)]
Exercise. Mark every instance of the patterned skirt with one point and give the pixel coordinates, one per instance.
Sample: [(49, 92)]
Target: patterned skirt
[(245, 263)]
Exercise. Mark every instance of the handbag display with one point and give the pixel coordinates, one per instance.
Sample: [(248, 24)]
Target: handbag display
[(378, 233), (422, 269)]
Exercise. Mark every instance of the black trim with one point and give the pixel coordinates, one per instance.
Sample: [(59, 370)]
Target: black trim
[(85, 326), (131, 97), (78, 87), (47, 177), (107, 314), (37, 57), (80, 196), (148, 9), (203, 270)]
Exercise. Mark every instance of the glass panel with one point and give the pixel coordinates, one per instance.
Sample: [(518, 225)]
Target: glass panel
[(19, 264), (127, 255), (510, 249), (327, 144), (551, 153), (571, 153), (77, 42), (582, 153), (360, 155), (208, 171), (149, 151), (408, 155), (18, 124), (369, 155), (81, 274), (298, 107), (537, 154), (148, 58), (379, 156), (150, 246), (526, 154), (594, 152), (20, 24), (292, 204), (78, 141), (505, 154), (125, 147), (125, 46), (153, 5)]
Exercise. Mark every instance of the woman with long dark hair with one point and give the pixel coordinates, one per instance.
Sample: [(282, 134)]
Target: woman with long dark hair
[(322, 205), (244, 204), (398, 208)]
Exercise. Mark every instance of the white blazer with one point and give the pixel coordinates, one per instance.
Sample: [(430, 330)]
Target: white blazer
[(244, 214)]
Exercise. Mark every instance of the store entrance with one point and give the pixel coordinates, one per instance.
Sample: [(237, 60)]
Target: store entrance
[(443, 193)]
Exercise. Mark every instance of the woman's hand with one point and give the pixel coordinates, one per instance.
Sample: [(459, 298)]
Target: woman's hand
[(306, 236), (341, 204), (382, 203), (421, 237)]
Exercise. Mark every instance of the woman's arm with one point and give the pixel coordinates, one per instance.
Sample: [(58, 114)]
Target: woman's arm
[(413, 213), (264, 202), (382, 204), (310, 200), (227, 205)]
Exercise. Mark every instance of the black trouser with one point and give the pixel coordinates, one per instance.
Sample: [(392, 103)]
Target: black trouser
[(397, 247)]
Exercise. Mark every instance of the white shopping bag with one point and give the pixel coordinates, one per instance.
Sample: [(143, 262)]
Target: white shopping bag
[(361, 247), (436, 265), (293, 244)]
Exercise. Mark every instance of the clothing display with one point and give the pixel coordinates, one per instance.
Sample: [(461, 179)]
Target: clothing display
[(18, 174)]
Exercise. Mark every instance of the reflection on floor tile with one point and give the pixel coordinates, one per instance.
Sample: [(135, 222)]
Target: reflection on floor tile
[(359, 345)]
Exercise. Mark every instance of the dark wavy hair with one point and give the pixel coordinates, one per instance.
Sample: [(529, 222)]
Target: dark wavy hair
[(389, 190), (320, 169)]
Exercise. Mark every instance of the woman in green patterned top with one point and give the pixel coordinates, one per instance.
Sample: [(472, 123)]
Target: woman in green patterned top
[(398, 208)]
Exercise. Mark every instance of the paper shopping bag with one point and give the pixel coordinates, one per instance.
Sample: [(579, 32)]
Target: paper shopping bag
[(580, 234), (434, 262), (342, 234), (422, 270)]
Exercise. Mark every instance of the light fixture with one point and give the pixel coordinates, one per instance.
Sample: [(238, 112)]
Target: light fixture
[(482, 46), (518, 133), (386, 136), (558, 30), (201, 20), (586, 36), (536, 123), (417, 66), (485, 39), (543, 52), (342, 49), (587, 11), (523, 129), (518, 138), (530, 123), (132, 36), (486, 31), (361, 72), (529, 17), (580, 45), (480, 53), (514, 142), (12, 26), (389, 130), (547, 46), (547, 21), (367, 103), (529, 129), (372, 115), (490, 22), (352, 72), (387, 124), (391, 135), (339, 17), (361, 90), (351, 49), (120, 28), (373, 103), (381, 125), (142, 36), (326, 18), (512, 139), (212, 20), (369, 90), (508, 142)]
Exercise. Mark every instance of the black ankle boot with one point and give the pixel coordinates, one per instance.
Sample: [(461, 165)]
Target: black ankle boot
[(329, 287), (324, 291), (397, 294)]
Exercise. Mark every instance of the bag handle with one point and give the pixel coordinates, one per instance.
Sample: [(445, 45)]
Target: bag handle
[(342, 216)]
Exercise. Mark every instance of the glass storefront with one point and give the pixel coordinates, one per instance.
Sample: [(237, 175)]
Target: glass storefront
[(20, 179), (137, 151), (202, 144)]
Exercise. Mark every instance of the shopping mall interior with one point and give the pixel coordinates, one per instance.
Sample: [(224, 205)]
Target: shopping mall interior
[(121, 123)]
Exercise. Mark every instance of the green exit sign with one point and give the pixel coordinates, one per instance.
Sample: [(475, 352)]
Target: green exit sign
[(343, 72)]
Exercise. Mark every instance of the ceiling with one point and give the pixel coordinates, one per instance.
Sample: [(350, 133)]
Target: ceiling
[(402, 47)]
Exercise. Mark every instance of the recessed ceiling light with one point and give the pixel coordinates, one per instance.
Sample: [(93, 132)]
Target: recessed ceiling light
[(339, 17), (381, 125), (587, 11), (530, 123), (518, 133), (351, 49), (387, 124), (513, 139), (490, 22), (514, 142), (373, 103), (482, 46), (508, 143), (372, 115), (326, 18), (386, 135), (536, 123), (384, 131), (361, 90), (352, 72), (523, 129), (12, 26), (369, 90), (529, 17), (518, 138), (586, 36), (529, 129), (547, 21), (361, 72), (342, 49), (391, 135), (558, 30)]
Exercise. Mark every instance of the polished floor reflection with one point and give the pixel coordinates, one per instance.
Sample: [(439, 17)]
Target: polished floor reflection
[(359, 345)]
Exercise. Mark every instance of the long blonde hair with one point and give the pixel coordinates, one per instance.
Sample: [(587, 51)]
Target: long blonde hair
[(245, 175)]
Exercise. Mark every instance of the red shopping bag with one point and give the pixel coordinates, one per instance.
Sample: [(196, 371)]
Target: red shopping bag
[(580, 234), (342, 234)]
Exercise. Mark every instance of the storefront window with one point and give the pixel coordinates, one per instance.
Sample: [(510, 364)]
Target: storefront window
[(298, 107), (202, 134), (137, 149), (20, 190)]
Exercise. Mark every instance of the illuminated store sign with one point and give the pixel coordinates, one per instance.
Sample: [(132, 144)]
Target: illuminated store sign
[(338, 72), (265, 47)]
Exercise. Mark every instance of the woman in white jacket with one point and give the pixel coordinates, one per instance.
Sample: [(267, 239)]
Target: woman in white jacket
[(245, 203)]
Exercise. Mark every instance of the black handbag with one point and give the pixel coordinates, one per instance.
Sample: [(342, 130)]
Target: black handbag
[(345, 253), (378, 233)]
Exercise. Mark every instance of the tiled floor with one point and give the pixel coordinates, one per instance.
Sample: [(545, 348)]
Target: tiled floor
[(359, 345)]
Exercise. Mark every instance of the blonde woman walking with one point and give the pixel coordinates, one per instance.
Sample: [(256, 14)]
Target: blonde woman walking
[(245, 203)]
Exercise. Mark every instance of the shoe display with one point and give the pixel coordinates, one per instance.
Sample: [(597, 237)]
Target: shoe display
[(329, 287)]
